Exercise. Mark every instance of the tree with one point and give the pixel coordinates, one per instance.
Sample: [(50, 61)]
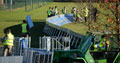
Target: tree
[(113, 6)]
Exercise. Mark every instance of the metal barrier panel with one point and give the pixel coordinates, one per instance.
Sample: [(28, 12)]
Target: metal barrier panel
[(54, 43), (59, 31), (17, 49), (1, 49), (35, 55), (17, 46), (42, 57)]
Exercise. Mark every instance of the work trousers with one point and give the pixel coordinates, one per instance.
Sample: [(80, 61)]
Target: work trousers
[(85, 19), (77, 19), (7, 50)]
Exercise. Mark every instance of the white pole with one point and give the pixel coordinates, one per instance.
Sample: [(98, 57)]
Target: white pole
[(48, 43), (40, 42), (52, 45), (11, 4), (29, 42)]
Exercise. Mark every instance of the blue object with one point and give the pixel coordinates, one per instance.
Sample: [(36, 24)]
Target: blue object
[(29, 20), (62, 20), (24, 42)]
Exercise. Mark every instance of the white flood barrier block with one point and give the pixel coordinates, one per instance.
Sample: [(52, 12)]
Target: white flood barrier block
[(11, 59)]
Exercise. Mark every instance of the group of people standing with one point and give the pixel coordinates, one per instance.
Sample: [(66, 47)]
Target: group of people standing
[(52, 11), (77, 14), (85, 13)]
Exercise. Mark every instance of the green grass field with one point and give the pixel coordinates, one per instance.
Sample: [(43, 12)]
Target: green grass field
[(13, 19)]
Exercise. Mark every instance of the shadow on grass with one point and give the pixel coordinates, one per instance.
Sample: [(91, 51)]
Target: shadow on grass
[(35, 32)]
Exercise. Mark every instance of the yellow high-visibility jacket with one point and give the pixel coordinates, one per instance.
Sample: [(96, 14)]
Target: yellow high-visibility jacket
[(9, 39), (24, 28)]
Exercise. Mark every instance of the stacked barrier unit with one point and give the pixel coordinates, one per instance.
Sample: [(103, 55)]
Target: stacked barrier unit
[(35, 55), (78, 42), (53, 28), (54, 43), (75, 38)]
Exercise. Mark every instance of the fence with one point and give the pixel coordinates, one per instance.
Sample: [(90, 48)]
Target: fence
[(54, 43), (11, 4), (18, 50), (81, 0), (75, 38), (35, 55), (33, 4), (53, 29), (27, 4)]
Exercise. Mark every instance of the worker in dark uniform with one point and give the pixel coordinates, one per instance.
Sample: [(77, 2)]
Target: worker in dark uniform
[(95, 14)]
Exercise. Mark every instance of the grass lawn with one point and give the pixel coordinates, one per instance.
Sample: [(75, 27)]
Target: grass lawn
[(13, 19)]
